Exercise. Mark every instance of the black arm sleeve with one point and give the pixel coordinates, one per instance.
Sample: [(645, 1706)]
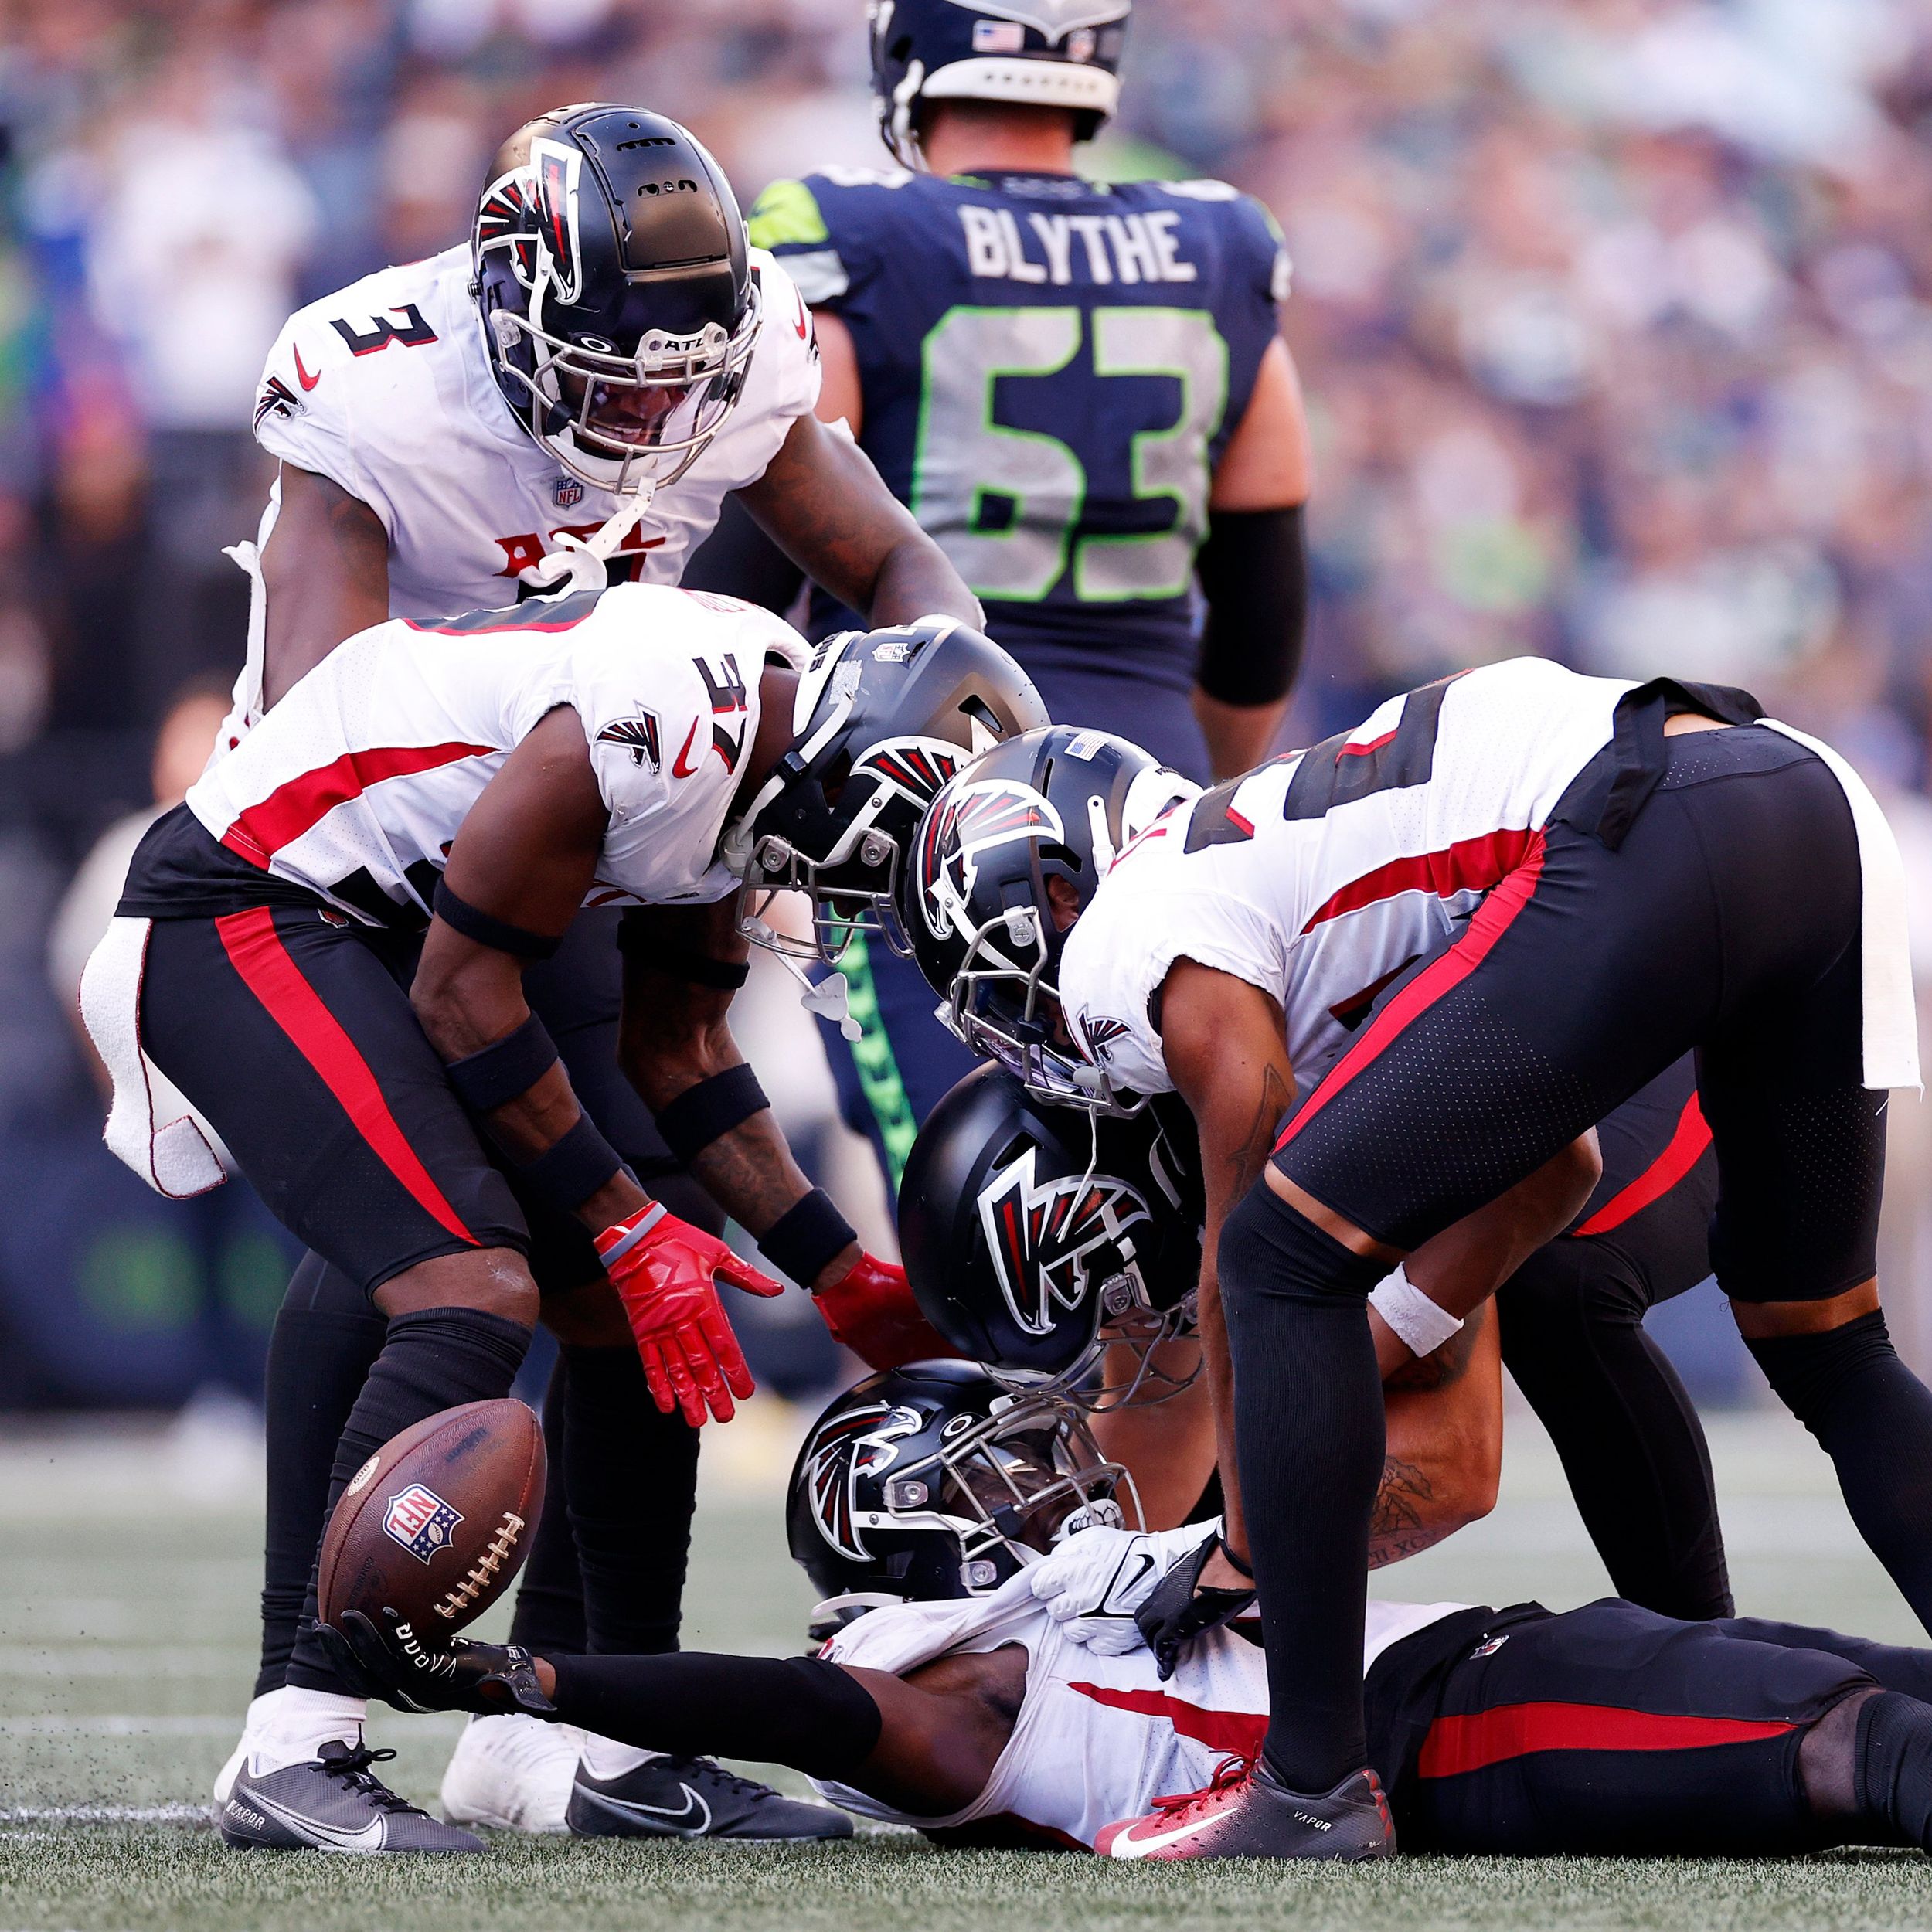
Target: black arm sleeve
[(738, 559), (800, 1711), (1254, 574)]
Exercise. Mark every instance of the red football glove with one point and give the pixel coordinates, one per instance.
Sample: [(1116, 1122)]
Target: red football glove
[(662, 1268), (870, 1309)]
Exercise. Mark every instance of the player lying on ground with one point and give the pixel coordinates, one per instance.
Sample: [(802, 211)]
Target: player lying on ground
[(1645, 870), (1051, 1245), (601, 364), (643, 745), (1030, 1714)]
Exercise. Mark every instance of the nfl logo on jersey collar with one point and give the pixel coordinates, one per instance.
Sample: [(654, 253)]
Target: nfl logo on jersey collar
[(566, 492)]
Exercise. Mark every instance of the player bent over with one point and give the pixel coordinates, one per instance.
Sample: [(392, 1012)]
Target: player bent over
[(1645, 870), (489, 776), (1012, 1712)]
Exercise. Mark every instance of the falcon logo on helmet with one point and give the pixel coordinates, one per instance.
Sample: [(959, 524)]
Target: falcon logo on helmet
[(862, 1442), (969, 819), (557, 167), (1043, 1237)]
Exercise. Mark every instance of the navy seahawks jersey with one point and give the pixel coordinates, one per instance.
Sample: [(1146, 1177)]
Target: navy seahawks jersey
[(1051, 368)]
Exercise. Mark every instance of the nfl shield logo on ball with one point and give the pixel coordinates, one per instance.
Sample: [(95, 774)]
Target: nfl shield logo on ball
[(566, 492), (420, 1521)]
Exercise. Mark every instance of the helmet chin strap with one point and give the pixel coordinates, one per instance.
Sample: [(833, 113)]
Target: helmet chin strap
[(579, 562)]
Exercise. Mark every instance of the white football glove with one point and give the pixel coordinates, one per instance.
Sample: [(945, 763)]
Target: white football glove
[(1092, 1585)]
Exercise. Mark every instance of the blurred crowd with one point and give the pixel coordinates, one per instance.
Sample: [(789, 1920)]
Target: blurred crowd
[(1615, 318)]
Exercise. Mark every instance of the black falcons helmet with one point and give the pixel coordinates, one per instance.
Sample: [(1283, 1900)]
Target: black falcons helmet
[(973, 903), (619, 306), (883, 718), (931, 1482), (1032, 54), (1028, 1230)]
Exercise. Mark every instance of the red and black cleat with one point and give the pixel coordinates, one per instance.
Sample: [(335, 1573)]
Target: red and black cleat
[(1246, 1812)]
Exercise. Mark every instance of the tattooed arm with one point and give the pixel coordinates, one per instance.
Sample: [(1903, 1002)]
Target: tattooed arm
[(1445, 1451), (675, 1033), (823, 504), (1223, 1042), (325, 574)]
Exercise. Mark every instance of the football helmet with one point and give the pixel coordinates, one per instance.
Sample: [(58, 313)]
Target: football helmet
[(620, 309), (975, 907), (882, 720), (932, 1481), (1057, 1249), (1032, 53)]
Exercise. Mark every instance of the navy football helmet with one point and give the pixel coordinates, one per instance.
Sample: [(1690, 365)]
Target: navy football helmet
[(1058, 1250), (1032, 53), (974, 909), (931, 1482), (620, 310)]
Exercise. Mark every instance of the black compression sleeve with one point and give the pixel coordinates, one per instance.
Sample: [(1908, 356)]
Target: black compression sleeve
[(799, 1711), (1253, 570), (738, 559)]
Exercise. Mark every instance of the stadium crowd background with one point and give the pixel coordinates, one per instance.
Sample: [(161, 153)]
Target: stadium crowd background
[(1615, 318)]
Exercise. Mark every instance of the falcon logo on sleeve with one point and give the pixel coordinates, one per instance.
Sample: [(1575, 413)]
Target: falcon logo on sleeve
[(276, 399), (638, 736), (1047, 1243)]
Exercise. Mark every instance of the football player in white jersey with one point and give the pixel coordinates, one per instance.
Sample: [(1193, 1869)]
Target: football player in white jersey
[(995, 1693), (1644, 870), (582, 383), (486, 778)]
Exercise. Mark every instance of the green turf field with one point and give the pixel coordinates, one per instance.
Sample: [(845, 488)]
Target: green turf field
[(126, 1629)]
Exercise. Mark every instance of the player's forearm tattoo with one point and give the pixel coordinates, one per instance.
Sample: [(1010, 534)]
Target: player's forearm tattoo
[(1399, 1524), (750, 1173), (1247, 1157)]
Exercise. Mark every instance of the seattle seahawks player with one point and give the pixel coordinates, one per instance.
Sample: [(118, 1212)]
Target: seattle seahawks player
[(1080, 389), (576, 388)]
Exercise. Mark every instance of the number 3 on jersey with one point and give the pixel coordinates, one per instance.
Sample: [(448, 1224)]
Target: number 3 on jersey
[(966, 461)]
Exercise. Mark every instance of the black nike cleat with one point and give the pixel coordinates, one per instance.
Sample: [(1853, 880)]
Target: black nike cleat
[(1246, 1812), (693, 1798), (334, 1802)]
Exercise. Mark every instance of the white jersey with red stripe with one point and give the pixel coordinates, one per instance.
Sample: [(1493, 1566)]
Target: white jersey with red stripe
[(385, 388), (357, 783), (1098, 1738), (1320, 876)]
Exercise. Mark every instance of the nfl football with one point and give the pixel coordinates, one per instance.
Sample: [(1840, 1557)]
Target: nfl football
[(439, 1520)]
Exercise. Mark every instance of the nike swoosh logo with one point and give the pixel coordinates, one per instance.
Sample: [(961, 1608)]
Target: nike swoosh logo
[(1143, 1563), (679, 769), (804, 324), (1127, 1846), (302, 375), (659, 1817), (368, 1837)]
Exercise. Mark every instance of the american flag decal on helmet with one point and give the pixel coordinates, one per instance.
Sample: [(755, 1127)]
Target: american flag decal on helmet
[(557, 165), (638, 736), (859, 1442), (1043, 1238)]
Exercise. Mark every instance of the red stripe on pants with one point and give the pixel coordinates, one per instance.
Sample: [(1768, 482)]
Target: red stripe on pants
[(1491, 919), (1686, 1149), (256, 951), (1458, 1744)]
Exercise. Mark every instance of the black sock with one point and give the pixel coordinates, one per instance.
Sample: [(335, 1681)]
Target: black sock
[(630, 1478), (327, 1337), (1307, 1406), (549, 1597), (1873, 1417), (434, 1359), (799, 1711), (1894, 1766), (1572, 1320)]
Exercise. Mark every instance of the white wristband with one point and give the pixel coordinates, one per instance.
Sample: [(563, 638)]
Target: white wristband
[(1419, 1323)]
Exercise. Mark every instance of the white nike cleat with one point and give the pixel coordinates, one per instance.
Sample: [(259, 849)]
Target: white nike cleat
[(513, 1772), (693, 1798), (333, 1803)]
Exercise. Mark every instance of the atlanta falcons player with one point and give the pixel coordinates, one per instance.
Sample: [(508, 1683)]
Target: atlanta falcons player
[(1637, 871), (1011, 1703), (641, 745), (587, 380)]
